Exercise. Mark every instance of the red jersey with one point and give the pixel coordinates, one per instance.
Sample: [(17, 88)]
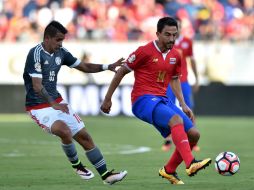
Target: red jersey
[(184, 45), (153, 70)]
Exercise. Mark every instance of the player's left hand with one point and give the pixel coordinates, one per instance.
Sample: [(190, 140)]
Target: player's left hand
[(119, 62), (188, 111)]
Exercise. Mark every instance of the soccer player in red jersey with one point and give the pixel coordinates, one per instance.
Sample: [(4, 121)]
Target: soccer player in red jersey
[(184, 46), (156, 65)]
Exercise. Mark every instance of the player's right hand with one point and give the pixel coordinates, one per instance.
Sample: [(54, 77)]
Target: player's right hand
[(63, 107), (119, 62), (188, 112), (106, 106)]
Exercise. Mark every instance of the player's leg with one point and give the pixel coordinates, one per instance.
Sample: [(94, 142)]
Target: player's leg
[(165, 117), (175, 125), (162, 115), (93, 153), (176, 159), (95, 156), (48, 120), (193, 136), (60, 129)]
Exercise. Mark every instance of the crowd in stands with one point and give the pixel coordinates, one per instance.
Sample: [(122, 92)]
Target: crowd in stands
[(125, 20)]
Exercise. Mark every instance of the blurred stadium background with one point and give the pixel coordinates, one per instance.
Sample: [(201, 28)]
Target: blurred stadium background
[(105, 30)]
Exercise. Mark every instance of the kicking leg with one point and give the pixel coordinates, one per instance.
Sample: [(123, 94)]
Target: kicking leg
[(61, 130), (95, 156)]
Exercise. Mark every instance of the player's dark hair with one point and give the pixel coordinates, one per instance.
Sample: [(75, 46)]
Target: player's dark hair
[(53, 28), (166, 21)]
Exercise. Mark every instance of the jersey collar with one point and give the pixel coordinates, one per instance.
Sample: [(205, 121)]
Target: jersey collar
[(46, 51), (154, 43)]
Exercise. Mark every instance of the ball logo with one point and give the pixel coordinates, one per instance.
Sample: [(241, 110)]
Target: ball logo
[(37, 67), (58, 60), (132, 58)]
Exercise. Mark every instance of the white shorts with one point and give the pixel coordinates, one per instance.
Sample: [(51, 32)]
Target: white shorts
[(45, 118)]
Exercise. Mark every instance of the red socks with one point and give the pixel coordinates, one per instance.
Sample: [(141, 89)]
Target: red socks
[(181, 142), (175, 160)]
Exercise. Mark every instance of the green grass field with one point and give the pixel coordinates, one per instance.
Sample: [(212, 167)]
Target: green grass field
[(33, 160)]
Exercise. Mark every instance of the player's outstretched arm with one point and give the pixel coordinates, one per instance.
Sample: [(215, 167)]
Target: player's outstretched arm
[(106, 104), (94, 68)]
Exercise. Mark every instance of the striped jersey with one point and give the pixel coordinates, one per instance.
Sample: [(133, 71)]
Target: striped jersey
[(41, 64)]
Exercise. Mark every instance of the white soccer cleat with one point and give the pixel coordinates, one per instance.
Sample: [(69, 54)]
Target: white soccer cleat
[(84, 173), (110, 178)]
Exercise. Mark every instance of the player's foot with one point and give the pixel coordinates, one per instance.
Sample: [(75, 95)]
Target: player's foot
[(166, 146), (197, 165), (112, 177), (196, 148), (83, 172), (173, 178)]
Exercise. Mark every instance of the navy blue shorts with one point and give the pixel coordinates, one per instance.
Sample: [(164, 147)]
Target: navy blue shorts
[(158, 110)]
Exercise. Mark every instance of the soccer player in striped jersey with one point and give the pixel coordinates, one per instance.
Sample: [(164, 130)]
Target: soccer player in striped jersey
[(185, 47), (53, 114), (155, 65)]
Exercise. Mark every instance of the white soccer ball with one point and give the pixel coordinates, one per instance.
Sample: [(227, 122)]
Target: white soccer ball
[(227, 163)]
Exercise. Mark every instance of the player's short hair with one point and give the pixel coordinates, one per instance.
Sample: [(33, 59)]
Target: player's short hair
[(166, 21), (53, 28)]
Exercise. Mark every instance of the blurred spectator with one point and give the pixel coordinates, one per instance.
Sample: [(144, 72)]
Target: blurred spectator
[(123, 20)]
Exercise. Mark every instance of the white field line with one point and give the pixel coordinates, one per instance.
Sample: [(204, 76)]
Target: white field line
[(107, 149)]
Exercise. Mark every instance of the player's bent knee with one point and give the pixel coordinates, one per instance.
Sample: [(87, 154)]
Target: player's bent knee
[(193, 135), (176, 119), (60, 129)]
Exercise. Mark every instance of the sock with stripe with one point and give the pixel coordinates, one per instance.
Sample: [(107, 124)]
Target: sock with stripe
[(175, 160), (71, 153), (95, 157), (180, 139)]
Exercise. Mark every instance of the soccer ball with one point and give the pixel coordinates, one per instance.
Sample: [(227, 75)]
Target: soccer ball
[(227, 163)]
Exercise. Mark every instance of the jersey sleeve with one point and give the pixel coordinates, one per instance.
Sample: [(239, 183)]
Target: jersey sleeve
[(33, 64), (135, 59), (69, 59)]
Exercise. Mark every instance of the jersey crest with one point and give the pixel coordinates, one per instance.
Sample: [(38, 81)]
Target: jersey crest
[(132, 58), (37, 67), (172, 60), (58, 60)]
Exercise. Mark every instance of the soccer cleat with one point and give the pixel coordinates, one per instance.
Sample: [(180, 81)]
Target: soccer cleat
[(197, 165), (84, 173), (166, 146), (173, 178), (112, 177)]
